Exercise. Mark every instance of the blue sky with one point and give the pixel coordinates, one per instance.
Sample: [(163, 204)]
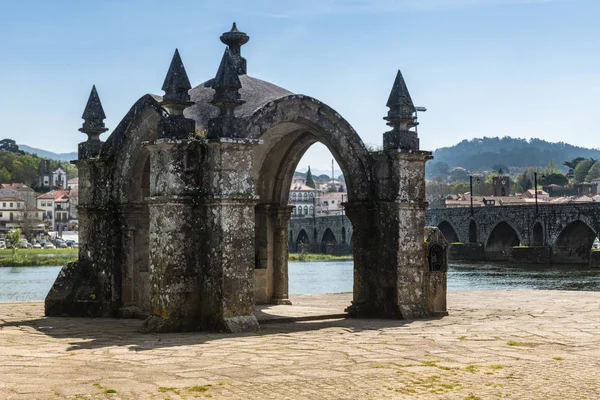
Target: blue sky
[(523, 68)]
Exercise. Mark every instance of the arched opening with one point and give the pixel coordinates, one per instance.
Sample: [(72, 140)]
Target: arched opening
[(328, 242), (286, 138), (538, 235), (472, 232), (500, 241), (301, 240), (448, 232), (574, 244)]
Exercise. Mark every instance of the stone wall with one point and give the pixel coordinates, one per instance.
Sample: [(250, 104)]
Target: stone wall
[(530, 255)]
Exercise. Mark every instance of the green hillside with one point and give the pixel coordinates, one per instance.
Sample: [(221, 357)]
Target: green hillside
[(486, 153)]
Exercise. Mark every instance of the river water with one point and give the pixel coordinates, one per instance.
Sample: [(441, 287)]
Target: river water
[(33, 283)]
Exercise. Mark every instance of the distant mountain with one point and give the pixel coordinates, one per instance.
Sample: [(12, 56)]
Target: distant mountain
[(49, 154), (484, 153)]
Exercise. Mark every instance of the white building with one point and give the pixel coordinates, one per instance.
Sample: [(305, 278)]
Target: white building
[(14, 213), (56, 178), (55, 205), (302, 197)]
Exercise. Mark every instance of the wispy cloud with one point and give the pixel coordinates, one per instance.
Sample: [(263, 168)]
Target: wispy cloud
[(384, 6)]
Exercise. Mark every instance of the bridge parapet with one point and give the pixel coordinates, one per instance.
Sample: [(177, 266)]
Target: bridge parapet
[(570, 228)]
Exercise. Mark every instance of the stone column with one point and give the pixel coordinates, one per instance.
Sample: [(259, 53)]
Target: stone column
[(280, 257), (366, 259), (228, 236), (403, 233), (173, 242)]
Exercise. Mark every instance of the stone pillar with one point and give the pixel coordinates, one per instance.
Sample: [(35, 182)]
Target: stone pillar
[(403, 232), (173, 242), (280, 257), (228, 236), (366, 259)]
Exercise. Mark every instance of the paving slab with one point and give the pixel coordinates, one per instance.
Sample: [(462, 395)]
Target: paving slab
[(521, 344)]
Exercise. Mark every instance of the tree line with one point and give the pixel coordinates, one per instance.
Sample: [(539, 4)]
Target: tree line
[(16, 166)]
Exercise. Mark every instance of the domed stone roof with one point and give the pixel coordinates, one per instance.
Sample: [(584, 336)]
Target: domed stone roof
[(255, 92)]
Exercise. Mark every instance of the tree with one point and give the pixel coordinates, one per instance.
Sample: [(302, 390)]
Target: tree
[(582, 169), (555, 179), (10, 145), (551, 168), (14, 235), (437, 169), (458, 175), (29, 221), (573, 163), (501, 169), (309, 179), (594, 172), (5, 176)]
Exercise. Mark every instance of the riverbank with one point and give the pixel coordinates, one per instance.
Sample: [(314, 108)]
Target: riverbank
[(519, 344), (36, 261), (37, 257), (318, 257)]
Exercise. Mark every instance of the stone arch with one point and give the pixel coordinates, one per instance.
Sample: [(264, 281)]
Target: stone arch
[(537, 234), (472, 231), (448, 231), (327, 240), (287, 127), (500, 240), (574, 243), (129, 187), (301, 239)]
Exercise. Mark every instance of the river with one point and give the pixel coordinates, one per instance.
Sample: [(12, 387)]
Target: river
[(33, 283)]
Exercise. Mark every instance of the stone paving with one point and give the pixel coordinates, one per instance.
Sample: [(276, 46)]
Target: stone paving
[(494, 344)]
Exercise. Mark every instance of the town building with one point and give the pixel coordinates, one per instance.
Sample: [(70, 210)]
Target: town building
[(56, 208), (303, 197), (14, 213), (310, 202), (73, 183), (54, 179)]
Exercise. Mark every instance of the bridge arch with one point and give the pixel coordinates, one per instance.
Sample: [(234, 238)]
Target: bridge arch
[(501, 238), (301, 239), (328, 239), (448, 231), (574, 243)]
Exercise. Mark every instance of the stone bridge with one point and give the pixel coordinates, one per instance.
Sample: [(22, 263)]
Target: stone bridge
[(325, 235), (548, 233)]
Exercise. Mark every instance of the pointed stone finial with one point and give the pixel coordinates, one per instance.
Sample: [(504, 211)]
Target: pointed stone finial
[(235, 39), (175, 101), (93, 117), (400, 118), (93, 126), (176, 87), (400, 103), (226, 98)]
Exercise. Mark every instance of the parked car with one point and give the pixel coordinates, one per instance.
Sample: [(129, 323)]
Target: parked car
[(37, 246), (75, 245), (61, 245), (25, 245), (49, 245)]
